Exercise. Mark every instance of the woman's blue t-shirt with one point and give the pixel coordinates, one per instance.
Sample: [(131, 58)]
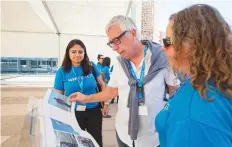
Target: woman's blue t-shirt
[(106, 72), (187, 120), (74, 81), (99, 67)]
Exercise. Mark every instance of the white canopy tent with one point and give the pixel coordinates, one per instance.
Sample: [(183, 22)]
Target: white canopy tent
[(43, 28)]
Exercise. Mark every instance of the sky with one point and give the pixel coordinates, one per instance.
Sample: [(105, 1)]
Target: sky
[(168, 7)]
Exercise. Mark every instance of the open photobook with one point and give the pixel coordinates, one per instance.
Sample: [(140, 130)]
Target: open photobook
[(58, 124)]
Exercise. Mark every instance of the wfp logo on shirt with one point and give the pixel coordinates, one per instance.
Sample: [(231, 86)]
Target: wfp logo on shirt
[(166, 107), (80, 78)]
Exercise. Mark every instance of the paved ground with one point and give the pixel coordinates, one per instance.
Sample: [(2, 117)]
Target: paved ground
[(15, 125)]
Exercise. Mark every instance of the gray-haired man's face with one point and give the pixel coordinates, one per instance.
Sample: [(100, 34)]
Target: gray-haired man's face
[(124, 46)]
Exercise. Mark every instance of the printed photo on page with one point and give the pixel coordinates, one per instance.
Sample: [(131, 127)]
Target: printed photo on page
[(66, 136), (59, 101), (85, 142)]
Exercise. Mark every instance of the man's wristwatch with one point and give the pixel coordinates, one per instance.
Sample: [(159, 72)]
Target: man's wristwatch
[(107, 103)]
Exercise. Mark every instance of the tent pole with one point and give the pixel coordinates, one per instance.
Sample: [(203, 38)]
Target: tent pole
[(59, 58)]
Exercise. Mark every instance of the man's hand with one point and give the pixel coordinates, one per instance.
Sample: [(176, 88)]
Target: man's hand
[(105, 110), (107, 94), (78, 97)]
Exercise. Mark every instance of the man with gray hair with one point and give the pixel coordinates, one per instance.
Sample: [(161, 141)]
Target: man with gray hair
[(140, 78)]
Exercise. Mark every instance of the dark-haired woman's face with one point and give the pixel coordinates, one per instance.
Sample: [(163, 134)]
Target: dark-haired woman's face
[(76, 54)]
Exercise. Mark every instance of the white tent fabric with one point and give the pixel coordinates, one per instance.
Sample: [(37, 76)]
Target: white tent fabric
[(38, 28)]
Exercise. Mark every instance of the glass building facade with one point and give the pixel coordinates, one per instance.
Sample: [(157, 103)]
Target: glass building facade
[(21, 65)]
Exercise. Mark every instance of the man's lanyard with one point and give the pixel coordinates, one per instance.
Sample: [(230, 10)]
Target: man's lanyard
[(141, 79)]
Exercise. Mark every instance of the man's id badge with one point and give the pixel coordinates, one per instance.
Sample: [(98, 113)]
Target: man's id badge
[(143, 110), (80, 108)]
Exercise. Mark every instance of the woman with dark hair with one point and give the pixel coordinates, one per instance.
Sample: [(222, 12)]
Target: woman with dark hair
[(199, 113), (105, 73), (76, 75), (106, 69)]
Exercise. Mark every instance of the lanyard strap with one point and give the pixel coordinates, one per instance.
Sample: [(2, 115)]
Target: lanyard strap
[(79, 81), (141, 79)]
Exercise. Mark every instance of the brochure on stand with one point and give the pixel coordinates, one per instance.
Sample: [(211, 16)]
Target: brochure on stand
[(59, 127)]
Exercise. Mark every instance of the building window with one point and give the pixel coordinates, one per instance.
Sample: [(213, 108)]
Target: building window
[(54, 63), (23, 62)]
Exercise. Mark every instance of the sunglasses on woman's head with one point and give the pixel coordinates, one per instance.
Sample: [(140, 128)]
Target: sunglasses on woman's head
[(167, 42)]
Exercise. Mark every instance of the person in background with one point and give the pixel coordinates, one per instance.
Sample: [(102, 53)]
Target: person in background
[(139, 77), (106, 69), (105, 72), (76, 75), (199, 114), (100, 60), (112, 68)]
